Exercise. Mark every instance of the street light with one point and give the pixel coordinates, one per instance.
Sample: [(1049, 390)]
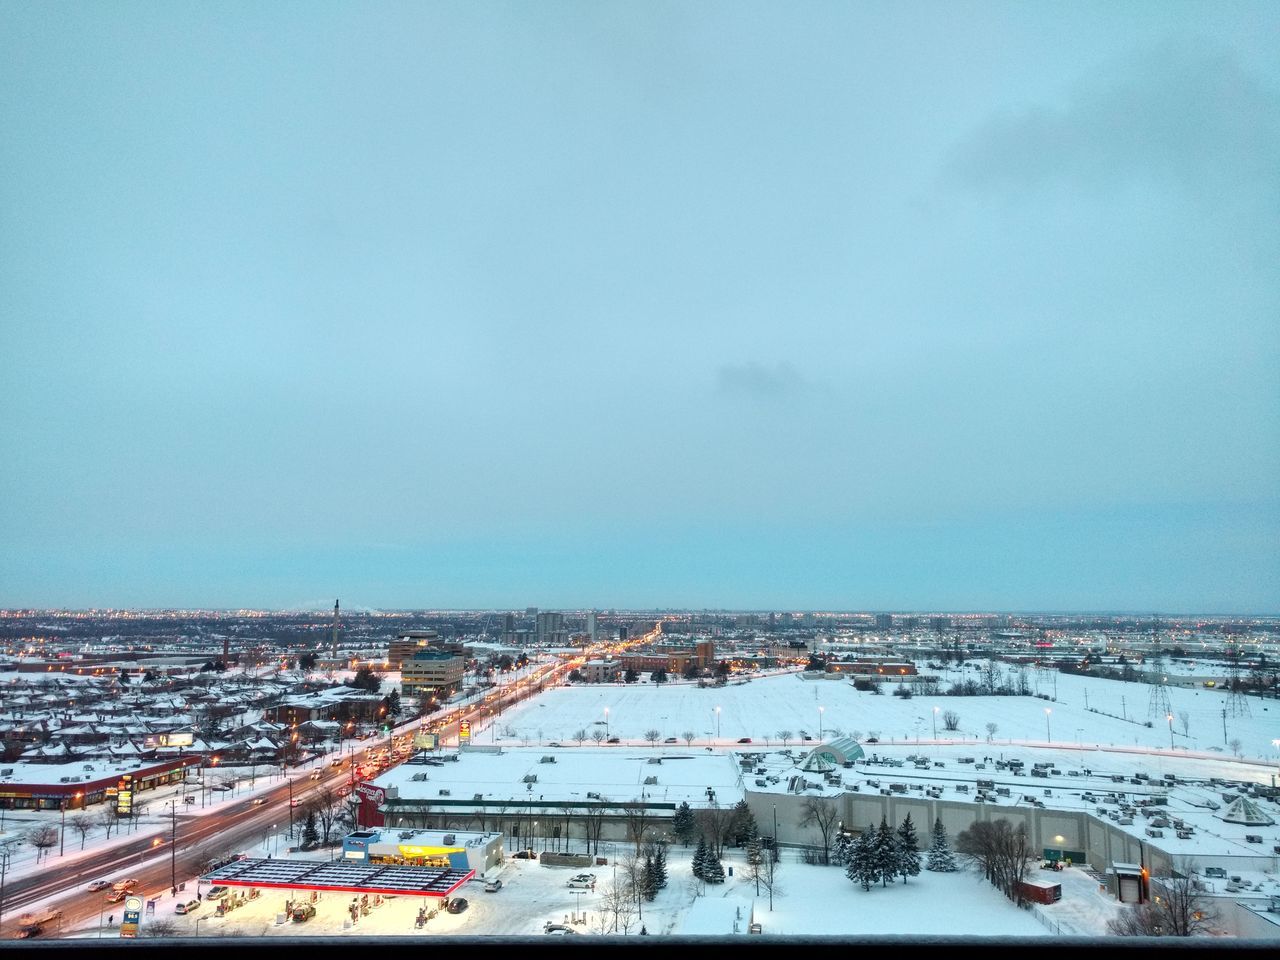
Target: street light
[(717, 723), (935, 723), (1169, 717), (1047, 733), (821, 711), (606, 723)]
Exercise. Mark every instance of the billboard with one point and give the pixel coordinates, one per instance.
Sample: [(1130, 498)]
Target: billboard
[(424, 741), (464, 730), (132, 916), (177, 739)]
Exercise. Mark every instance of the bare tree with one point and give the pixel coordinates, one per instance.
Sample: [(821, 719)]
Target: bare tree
[(784, 736), (327, 805), (1236, 746), (951, 720), (1177, 908), (991, 731), (639, 819), (1185, 719), (83, 824), (160, 927), (1000, 850), (593, 821), (580, 735), (688, 737), (770, 864), (825, 815), (652, 736), (597, 736), (42, 838), (714, 822)]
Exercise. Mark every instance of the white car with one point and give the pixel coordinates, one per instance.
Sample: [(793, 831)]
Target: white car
[(188, 907)]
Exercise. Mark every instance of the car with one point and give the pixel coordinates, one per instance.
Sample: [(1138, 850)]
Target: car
[(115, 896), (525, 855), (614, 740), (316, 774), (872, 740), (126, 885), (744, 740), (579, 884), (671, 740), (457, 905), (97, 885), (257, 801), (216, 893), (189, 907), (492, 886), (558, 929), (295, 802)]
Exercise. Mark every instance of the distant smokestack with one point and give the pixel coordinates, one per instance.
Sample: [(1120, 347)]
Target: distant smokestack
[(335, 629), (226, 650)]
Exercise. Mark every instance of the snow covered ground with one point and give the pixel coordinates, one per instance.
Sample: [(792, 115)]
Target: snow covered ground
[(1086, 711), (808, 900)]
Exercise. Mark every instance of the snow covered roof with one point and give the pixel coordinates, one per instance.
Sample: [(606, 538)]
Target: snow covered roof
[(818, 762)]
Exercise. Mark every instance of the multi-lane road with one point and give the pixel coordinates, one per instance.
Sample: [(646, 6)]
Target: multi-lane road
[(201, 836)]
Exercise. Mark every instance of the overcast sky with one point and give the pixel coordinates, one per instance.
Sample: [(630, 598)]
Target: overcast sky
[(954, 306)]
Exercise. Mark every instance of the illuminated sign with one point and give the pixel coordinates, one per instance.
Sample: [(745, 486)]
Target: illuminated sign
[(464, 730), (177, 739), (424, 741), (411, 851), (124, 796), (132, 917)]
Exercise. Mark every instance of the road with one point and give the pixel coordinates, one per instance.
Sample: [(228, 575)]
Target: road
[(150, 858)]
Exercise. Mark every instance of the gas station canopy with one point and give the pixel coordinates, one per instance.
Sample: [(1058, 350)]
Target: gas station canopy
[(386, 879)]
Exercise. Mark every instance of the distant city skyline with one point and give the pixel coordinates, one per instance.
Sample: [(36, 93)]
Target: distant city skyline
[(917, 305)]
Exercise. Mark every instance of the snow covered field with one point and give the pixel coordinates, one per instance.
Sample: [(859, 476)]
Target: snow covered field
[(762, 708)]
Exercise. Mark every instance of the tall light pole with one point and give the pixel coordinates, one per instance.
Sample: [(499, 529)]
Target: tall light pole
[(1048, 734), (821, 710), (935, 723), (173, 844), (717, 723), (62, 833), (606, 723), (1169, 717)]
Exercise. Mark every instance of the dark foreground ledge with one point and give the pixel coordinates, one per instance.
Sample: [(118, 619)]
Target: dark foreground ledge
[(243, 948)]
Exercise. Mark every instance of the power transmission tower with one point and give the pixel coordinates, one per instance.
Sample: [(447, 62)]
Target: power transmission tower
[(1237, 702)]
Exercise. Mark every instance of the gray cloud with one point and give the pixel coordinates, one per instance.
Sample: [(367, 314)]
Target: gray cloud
[(758, 380), (1186, 111)]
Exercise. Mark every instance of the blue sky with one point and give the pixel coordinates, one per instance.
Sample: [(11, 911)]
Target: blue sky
[(822, 305)]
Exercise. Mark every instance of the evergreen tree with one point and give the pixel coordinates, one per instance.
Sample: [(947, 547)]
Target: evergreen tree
[(908, 852), (886, 854), (682, 823), (660, 866), (841, 850), (649, 880), (743, 825), (393, 703), (861, 868), (713, 872), (310, 835), (941, 859), (700, 859)]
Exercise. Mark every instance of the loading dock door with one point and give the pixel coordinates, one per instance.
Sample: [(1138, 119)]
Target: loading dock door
[(1130, 891)]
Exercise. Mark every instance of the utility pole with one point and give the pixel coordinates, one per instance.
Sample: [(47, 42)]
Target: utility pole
[(6, 851), (1224, 726), (173, 844)]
